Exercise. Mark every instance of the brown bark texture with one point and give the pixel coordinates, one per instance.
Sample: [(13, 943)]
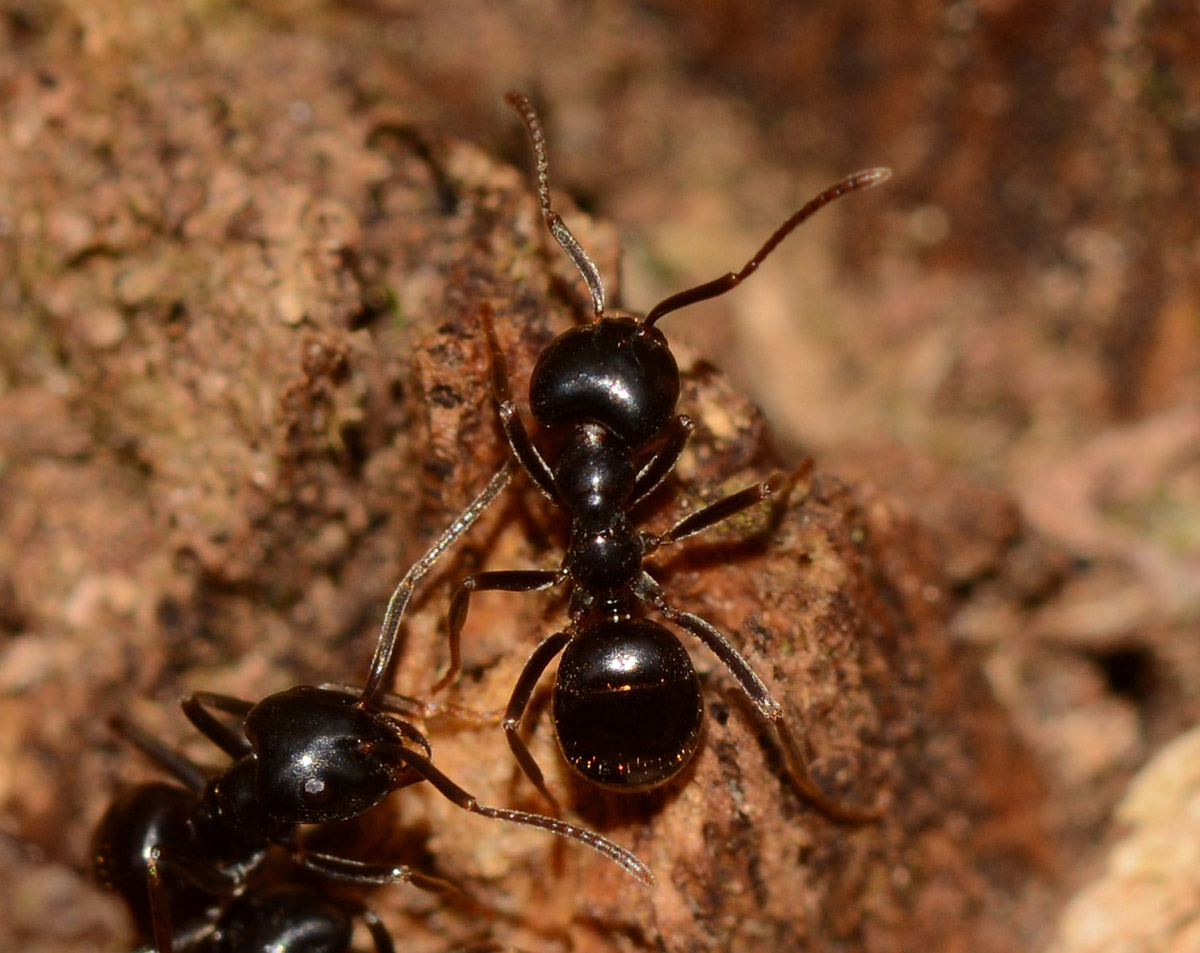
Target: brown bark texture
[(244, 250)]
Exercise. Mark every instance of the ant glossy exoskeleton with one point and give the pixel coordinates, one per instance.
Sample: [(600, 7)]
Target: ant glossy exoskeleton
[(182, 856), (185, 852), (627, 703), (307, 755)]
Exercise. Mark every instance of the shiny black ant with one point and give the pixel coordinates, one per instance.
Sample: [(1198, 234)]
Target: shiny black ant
[(183, 856), (186, 852), (627, 704), (307, 755)]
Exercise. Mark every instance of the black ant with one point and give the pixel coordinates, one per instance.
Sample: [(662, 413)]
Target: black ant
[(627, 704), (183, 857), (185, 852)]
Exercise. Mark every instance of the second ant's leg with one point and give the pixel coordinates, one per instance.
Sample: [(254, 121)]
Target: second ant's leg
[(519, 701), (754, 687), (166, 758), (456, 795), (379, 933), (410, 708), (160, 909), (196, 706), (505, 580), (343, 868)]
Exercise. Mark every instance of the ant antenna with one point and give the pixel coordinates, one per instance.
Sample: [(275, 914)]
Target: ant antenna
[(554, 222), (866, 179)]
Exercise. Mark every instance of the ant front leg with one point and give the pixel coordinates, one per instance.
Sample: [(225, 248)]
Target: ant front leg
[(523, 448), (756, 690), (385, 646), (663, 462), (721, 510), (354, 871), (506, 580), (406, 707)]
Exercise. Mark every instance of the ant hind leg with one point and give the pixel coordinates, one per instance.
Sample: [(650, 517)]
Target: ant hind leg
[(756, 690), (522, 692)]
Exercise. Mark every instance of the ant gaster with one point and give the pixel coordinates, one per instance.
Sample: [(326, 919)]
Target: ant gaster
[(627, 704), (186, 851)]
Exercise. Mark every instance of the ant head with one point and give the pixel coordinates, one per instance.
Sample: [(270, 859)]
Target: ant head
[(615, 372), (317, 755), (619, 372)]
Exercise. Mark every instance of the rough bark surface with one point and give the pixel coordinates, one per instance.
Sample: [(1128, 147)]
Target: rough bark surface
[(243, 384)]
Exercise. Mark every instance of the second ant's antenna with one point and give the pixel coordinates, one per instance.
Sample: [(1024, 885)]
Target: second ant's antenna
[(554, 222)]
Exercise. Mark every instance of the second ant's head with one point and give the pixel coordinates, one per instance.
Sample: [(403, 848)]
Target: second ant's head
[(316, 756)]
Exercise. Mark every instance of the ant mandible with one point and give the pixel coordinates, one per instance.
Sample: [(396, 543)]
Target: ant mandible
[(185, 852), (627, 705)]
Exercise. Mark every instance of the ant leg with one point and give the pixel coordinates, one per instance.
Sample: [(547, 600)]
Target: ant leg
[(196, 706), (386, 646), (379, 933), (200, 874), (519, 701), (721, 510), (505, 580), (406, 707), (188, 773), (160, 909), (650, 592), (663, 462), (355, 871), (523, 448), (456, 795)]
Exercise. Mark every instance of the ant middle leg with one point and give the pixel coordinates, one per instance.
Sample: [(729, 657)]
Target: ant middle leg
[(760, 696), (506, 580)]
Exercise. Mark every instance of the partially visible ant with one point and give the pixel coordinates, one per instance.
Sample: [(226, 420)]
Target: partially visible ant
[(627, 704), (186, 852), (183, 857)]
